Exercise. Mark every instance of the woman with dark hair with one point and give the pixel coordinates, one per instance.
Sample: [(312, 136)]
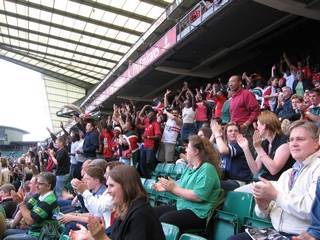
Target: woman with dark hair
[(205, 132), (62, 162), (233, 161), (135, 219), (198, 189)]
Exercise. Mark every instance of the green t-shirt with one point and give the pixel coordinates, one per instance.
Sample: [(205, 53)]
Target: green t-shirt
[(41, 211), (299, 89), (205, 183), (225, 112)]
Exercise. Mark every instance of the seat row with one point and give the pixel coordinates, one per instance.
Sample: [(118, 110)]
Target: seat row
[(232, 214), (171, 170)]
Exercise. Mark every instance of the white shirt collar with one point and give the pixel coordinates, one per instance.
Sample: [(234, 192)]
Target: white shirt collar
[(42, 197)]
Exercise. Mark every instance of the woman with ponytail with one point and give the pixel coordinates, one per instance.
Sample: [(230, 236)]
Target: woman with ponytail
[(198, 189)]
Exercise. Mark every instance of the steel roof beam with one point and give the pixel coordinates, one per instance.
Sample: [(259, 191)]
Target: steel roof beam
[(53, 74), (158, 3), (58, 48), (75, 16), (50, 24), (53, 64), (9, 47), (61, 39), (115, 10)]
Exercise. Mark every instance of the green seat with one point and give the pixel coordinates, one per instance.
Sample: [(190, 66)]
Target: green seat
[(177, 171), (158, 171), (165, 199), (171, 232), (152, 194), (231, 219), (240, 204), (224, 226), (208, 230), (188, 236), (168, 169), (142, 180), (255, 222)]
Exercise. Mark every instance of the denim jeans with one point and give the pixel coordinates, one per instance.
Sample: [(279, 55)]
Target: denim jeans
[(17, 234), (61, 180), (147, 162)]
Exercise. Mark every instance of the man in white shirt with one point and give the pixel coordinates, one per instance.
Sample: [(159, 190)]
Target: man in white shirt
[(288, 201)]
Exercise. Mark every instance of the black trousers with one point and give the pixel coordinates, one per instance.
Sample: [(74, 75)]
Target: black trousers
[(185, 219)]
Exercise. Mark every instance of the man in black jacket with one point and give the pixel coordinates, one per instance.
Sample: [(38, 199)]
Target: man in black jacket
[(91, 141)]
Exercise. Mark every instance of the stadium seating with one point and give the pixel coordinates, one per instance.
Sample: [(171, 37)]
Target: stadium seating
[(171, 232), (152, 194), (188, 236), (231, 219)]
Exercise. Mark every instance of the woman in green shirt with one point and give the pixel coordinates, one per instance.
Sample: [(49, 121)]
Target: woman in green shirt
[(198, 189)]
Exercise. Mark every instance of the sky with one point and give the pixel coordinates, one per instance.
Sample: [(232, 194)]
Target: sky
[(23, 102)]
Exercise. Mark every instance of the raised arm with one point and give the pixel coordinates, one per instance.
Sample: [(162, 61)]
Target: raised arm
[(281, 156), (253, 164), (165, 98), (218, 136)]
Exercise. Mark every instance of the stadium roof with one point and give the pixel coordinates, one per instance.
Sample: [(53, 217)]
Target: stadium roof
[(76, 42)]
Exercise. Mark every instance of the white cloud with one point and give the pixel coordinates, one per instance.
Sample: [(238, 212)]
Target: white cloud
[(23, 102)]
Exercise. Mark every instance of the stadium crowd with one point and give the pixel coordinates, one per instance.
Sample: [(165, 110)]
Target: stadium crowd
[(249, 135)]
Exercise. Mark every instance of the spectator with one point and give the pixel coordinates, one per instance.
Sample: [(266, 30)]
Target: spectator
[(6, 202), (298, 106), (4, 172), (202, 107), (91, 141), (244, 108), (313, 112), (225, 111), (79, 155), (99, 206), (61, 160), (170, 133), (220, 97), (28, 195), (188, 116), (93, 180), (106, 137), (313, 231), (198, 189), (73, 161), (270, 95), (131, 140), (204, 132), (288, 201), (284, 109), (151, 134), (273, 156), (236, 171), (290, 73), (135, 219), (39, 208)]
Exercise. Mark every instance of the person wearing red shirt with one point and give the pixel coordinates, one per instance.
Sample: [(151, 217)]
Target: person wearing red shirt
[(244, 108), (151, 133), (106, 137)]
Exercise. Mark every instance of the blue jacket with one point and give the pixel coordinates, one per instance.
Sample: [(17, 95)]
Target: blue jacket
[(286, 111), (90, 144), (314, 228)]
